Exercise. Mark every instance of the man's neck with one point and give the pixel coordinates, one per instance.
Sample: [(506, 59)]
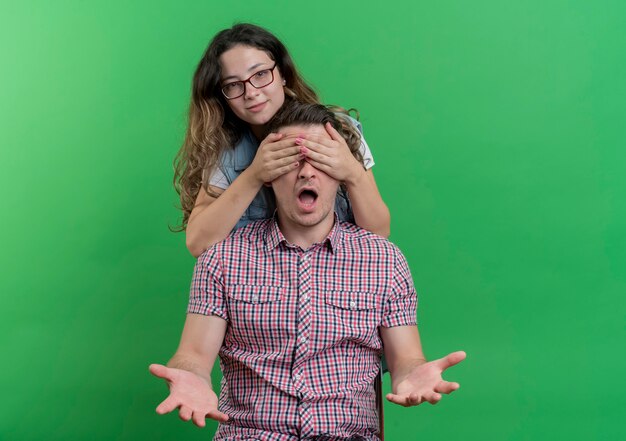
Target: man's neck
[(305, 236)]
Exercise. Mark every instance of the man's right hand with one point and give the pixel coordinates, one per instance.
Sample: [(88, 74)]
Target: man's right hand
[(190, 394)]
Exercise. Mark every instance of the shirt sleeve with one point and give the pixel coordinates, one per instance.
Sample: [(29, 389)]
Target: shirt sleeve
[(368, 159), (207, 295), (401, 306), (218, 179)]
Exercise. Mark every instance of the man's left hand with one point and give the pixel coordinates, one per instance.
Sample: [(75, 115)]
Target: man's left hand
[(424, 382)]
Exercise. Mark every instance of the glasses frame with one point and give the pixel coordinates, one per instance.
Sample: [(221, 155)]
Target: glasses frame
[(271, 71)]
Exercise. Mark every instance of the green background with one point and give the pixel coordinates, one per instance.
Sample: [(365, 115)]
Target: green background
[(498, 132)]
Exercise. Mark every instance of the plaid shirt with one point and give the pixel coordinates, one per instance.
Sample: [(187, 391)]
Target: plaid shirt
[(302, 346)]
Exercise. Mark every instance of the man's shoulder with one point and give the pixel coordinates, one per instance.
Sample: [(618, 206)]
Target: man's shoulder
[(361, 239), (250, 233), (241, 240)]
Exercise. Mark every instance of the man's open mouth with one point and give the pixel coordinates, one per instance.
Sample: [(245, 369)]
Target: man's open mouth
[(307, 196)]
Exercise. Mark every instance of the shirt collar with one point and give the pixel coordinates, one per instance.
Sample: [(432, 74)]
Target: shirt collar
[(274, 237)]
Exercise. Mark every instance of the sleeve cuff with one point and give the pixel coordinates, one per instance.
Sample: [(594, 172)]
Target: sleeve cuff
[(206, 309)]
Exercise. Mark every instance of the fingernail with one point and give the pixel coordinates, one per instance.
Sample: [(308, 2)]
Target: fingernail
[(303, 150), (296, 164), (298, 141)]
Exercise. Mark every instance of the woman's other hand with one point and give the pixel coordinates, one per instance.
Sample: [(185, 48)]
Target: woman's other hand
[(275, 157), (333, 156)]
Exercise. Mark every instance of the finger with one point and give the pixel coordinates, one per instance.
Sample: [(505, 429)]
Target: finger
[(323, 149), (272, 137), (317, 157), (333, 133), (279, 144), (432, 398), (450, 360), (278, 172), (318, 145), (321, 166), (414, 399), (282, 156), (339, 154), (185, 413), (198, 419), (217, 416), (289, 161), (160, 371), (288, 166), (167, 405), (404, 400), (282, 144), (396, 399), (270, 154), (286, 160), (446, 387)]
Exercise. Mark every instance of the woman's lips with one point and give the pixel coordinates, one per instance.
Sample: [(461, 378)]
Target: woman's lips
[(257, 107)]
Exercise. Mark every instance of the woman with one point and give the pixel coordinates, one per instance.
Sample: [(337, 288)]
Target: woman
[(244, 77)]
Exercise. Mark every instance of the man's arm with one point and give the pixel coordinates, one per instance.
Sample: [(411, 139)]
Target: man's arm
[(413, 379), (188, 373)]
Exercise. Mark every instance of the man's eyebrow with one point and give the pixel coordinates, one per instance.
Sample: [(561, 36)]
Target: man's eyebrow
[(251, 68)]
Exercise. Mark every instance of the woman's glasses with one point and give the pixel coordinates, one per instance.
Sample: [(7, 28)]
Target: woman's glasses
[(257, 80)]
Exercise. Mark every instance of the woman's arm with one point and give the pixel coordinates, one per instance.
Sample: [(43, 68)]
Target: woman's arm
[(370, 211), (213, 218)]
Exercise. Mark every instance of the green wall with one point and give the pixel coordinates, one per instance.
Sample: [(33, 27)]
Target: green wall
[(498, 132)]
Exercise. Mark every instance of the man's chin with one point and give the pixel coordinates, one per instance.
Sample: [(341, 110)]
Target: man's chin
[(310, 219)]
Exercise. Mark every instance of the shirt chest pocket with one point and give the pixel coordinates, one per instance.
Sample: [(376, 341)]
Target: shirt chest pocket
[(355, 313), (254, 307)]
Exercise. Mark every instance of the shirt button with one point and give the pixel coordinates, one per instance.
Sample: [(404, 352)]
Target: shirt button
[(352, 304), (255, 297), (302, 339), (296, 376), (305, 297)]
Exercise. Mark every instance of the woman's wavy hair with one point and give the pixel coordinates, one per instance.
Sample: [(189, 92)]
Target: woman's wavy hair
[(296, 113), (212, 126)]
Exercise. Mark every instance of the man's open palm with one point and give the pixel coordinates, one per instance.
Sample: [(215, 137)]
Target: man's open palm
[(190, 394), (424, 383)]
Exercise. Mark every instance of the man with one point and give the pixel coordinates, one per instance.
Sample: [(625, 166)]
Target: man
[(299, 309)]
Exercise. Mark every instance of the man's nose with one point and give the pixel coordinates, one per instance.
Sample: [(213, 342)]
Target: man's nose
[(307, 171)]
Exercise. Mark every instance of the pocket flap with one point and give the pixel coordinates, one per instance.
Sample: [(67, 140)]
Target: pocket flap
[(352, 300)]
